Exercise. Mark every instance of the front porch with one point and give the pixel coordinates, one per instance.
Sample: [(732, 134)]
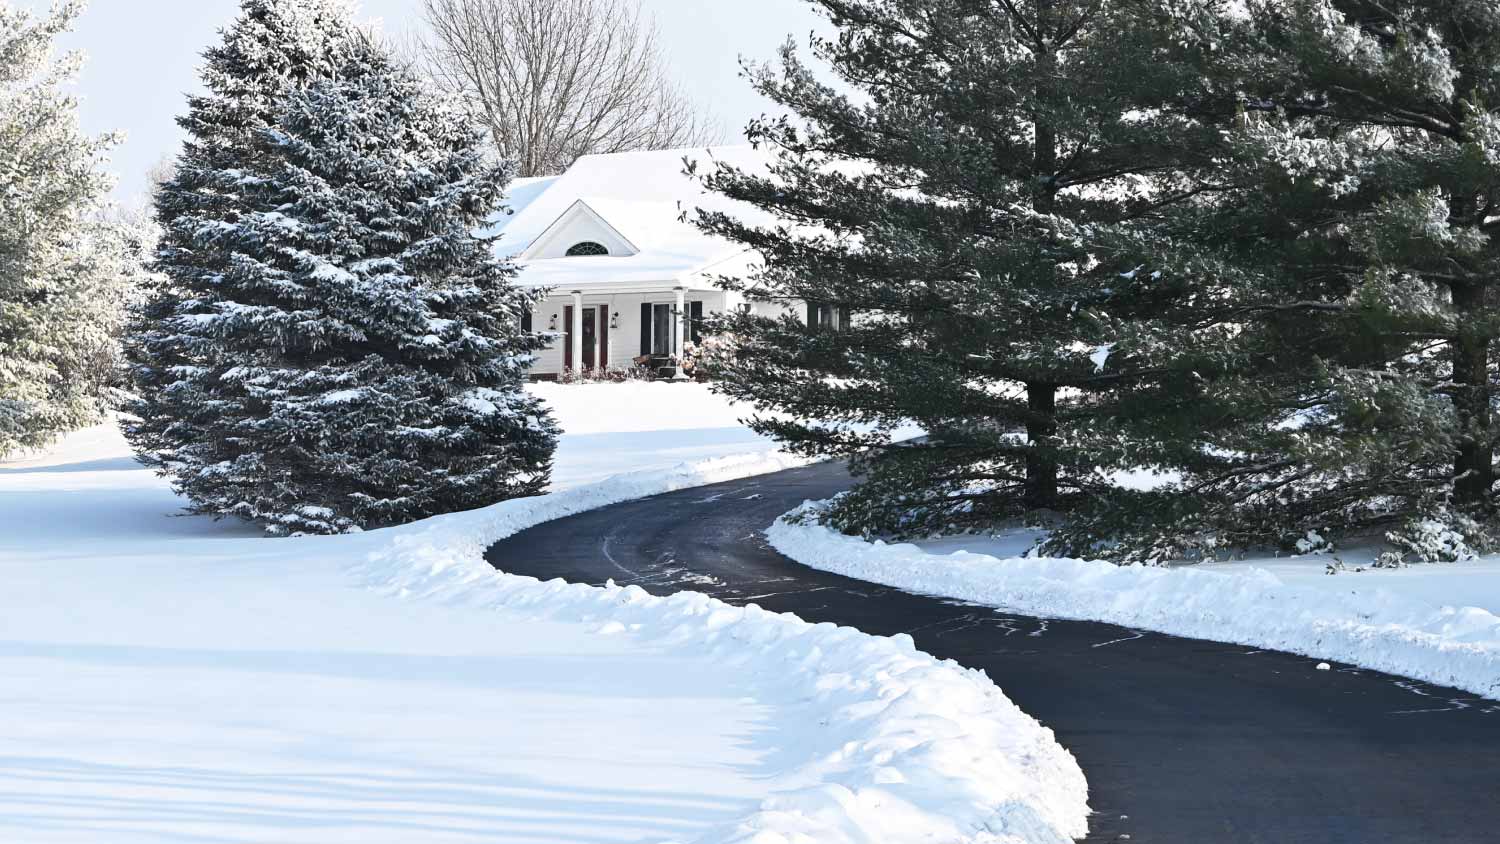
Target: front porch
[(605, 333)]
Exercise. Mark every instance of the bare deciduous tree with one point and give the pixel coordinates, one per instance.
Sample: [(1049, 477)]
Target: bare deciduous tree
[(557, 79)]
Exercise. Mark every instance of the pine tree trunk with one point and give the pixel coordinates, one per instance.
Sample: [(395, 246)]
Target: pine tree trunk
[(1041, 425), (1474, 463), (1041, 399)]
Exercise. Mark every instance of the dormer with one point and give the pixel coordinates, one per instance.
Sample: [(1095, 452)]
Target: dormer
[(580, 232)]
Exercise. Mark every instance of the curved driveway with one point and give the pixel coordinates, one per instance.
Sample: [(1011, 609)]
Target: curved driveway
[(1183, 741)]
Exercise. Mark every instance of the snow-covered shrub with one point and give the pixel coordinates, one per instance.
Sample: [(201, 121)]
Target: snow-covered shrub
[(1313, 543), (606, 375), (702, 359), (1443, 536)]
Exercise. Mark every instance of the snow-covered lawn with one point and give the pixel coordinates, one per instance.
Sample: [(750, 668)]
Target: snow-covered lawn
[(618, 428), (1438, 622), (168, 678)]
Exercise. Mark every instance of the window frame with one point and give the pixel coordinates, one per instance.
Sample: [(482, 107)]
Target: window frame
[(590, 249)]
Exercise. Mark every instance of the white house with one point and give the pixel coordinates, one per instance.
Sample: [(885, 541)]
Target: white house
[(628, 279)]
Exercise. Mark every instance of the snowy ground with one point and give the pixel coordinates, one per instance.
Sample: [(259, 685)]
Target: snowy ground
[(176, 679), (1437, 622), (618, 428)]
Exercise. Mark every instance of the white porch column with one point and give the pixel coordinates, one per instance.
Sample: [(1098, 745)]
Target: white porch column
[(577, 329), (680, 340)]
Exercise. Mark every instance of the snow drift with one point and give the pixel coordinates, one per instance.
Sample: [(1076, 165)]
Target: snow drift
[(1384, 631), (896, 746)]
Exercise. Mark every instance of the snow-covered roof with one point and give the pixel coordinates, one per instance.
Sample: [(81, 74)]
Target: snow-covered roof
[(634, 199), (523, 192), (520, 193)]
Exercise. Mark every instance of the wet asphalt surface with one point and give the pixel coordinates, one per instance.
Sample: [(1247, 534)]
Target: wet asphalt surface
[(1183, 741)]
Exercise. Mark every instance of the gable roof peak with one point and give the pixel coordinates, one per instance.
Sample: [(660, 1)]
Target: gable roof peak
[(579, 223)]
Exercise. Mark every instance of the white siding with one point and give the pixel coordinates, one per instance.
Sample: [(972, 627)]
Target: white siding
[(775, 310)]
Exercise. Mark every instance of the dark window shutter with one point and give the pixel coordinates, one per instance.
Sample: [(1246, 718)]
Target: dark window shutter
[(526, 321), (646, 328), (846, 316), (812, 316), (604, 350), (695, 322)]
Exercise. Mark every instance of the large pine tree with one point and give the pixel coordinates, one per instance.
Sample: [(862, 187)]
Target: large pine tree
[(335, 349), (63, 265), (976, 209), (1358, 265)]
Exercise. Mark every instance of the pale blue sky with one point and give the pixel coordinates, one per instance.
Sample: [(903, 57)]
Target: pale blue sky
[(143, 56)]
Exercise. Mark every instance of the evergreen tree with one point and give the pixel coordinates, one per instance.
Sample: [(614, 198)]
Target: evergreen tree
[(63, 266), (980, 212), (334, 349), (1357, 263)]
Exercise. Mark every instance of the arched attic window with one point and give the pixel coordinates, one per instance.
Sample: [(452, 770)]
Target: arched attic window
[(588, 248)]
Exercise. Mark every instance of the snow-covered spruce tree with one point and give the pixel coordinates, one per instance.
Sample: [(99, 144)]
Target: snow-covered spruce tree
[(273, 48), (336, 349), (63, 266), (971, 212), (1360, 263)]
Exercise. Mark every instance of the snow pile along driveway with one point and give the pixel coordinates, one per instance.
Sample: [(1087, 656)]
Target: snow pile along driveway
[(1380, 630), (888, 744), (173, 678)]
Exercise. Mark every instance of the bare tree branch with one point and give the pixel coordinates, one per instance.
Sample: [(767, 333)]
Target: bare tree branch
[(558, 79)]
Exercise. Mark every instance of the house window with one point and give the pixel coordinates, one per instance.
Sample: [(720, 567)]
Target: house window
[(586, 249), (663, 329), (660, 324), (825, 317)]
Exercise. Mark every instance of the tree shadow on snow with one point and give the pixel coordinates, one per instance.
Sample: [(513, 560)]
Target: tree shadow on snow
[(110, 464), (177, 803)]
